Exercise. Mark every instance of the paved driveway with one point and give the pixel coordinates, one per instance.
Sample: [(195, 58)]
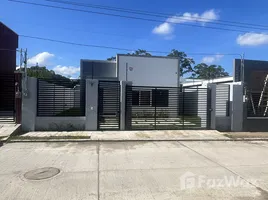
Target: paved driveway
[(136, 170)]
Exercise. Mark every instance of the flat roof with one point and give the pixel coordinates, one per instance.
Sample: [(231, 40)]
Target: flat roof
[(166, 57), (216, 80), (100, 61)]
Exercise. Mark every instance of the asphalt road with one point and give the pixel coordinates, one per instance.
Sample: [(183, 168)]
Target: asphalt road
[(134, 170)]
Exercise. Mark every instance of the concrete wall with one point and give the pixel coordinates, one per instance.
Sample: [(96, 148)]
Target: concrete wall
[(256, 124), (60, 123), (91, 104), (29, 105), (148, 71), (237, 110), (223, 123)]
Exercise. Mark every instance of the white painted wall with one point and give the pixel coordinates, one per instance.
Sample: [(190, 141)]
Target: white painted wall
[(148, 71)]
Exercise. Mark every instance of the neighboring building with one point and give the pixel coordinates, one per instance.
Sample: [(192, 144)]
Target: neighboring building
[(98, 69), (8, 46), (141, 70), (204, 83)]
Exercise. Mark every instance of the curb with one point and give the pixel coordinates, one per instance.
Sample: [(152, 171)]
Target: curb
[(152, 140)]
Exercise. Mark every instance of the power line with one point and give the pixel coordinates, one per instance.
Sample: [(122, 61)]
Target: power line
[(128, 17), (117, 48), (190, 19)]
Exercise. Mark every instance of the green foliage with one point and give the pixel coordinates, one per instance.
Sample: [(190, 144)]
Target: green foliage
[(185, 63), (204, 71), (141, 52), (113, 58), (50, 76)]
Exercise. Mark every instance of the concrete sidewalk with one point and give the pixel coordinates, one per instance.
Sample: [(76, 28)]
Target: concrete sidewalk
[(7, 130), (155, 135)]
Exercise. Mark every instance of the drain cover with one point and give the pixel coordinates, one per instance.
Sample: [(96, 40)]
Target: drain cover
[(42, 173)]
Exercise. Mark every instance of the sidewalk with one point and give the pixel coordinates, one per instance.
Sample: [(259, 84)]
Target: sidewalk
[(8, 129), (154, 135)]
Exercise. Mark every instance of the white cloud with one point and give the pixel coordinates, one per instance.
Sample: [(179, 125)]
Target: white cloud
[(66, 70), (167, 28), (212, 59), (43, 59), (207, 16), (163, 29), (252, 39)]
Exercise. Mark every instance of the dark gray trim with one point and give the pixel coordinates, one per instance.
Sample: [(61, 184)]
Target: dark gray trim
[(167, 57), (100, 61)]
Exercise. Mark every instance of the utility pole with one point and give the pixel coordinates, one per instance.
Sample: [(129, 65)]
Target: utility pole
[(25, 91)]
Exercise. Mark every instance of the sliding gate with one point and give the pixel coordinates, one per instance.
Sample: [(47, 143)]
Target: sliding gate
[(167, 108), (109, 105)]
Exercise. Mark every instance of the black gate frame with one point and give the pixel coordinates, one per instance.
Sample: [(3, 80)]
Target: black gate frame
[(113, 102), (180, 109)]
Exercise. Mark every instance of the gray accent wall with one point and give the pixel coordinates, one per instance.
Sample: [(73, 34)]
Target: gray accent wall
[(96, 69)]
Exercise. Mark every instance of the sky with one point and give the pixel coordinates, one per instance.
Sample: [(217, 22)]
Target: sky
[(170, 32)]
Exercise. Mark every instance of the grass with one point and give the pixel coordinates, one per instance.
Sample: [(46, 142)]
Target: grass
[(47, 137), (73, 112)]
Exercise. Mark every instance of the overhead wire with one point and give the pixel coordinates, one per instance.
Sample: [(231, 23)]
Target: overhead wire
[(174, 17), (116, 48), (128, 17)]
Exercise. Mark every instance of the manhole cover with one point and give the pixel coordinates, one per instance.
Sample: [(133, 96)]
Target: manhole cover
[(42, 173)]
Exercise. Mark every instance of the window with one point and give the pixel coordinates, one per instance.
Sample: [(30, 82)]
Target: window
[(145, 98), (141, 98), (135, 98), (160, 98)]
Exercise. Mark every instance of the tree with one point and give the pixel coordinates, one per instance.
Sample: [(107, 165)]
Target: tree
[(141, 52), (204, 71), (185, 63), (113, 58), (50, 76)]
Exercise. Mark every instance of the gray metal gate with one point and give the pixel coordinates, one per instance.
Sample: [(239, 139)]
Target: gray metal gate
[(167, 108), (109, 105)]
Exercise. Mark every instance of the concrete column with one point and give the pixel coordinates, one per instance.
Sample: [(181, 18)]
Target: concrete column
[(91, 91), (29, 104), (212, 111), (123, 85), (237, 108)]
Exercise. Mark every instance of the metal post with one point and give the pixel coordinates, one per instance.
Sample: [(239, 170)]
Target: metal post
[(182, 108), (155, 101), (126, 71)]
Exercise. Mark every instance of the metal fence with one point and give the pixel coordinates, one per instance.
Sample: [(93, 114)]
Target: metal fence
[(222, 100), (7, 98), (56, 97), (166, 108)]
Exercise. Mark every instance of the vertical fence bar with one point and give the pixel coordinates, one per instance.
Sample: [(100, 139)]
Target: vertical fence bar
[(209, 109), (155, 107), (183, 90), (37, 104)]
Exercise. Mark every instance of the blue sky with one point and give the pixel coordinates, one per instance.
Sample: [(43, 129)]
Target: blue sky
[(104, 30)]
